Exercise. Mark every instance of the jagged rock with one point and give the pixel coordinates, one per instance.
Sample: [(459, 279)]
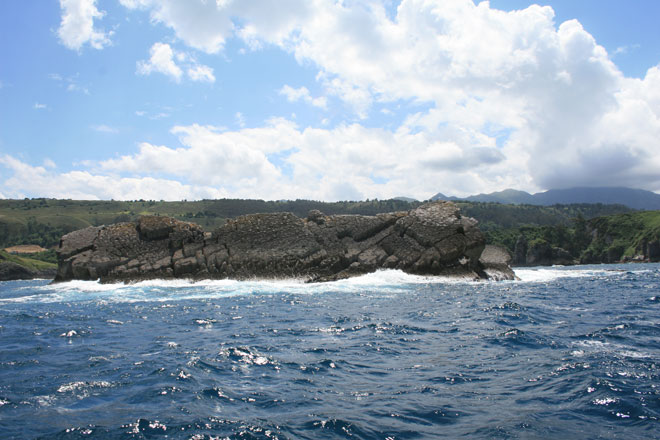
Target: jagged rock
[(13, 271), (433, 239), (497, 262), (543, 254)]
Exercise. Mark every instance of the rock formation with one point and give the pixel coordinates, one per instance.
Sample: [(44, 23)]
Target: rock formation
[(10, 271), (539, 253), (433, 239)]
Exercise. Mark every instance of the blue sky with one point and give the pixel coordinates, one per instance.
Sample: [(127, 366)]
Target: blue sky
[(324, 99)]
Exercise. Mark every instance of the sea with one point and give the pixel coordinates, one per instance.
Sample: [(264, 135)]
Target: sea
[(562, 353)]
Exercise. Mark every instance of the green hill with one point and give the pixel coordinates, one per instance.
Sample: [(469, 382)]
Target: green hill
[(633, 236)]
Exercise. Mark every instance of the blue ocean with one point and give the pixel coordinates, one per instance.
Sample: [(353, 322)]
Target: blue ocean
[(563, 353)]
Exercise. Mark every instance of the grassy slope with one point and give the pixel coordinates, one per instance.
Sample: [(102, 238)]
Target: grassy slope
[(30, 263)]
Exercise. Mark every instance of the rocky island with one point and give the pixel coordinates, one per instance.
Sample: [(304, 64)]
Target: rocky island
[(433, 239)]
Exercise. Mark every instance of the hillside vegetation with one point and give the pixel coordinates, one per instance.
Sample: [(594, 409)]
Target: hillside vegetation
[(632, 236), (36, 262), (533, 234)]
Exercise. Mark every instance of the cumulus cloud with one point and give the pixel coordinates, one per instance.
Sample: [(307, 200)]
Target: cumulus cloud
[(201, 73), (83, 185), (162, 60), (77, 25), (281, 160), (570, 116), (497, 99), (203, 25), (302, 93), (209, 156)]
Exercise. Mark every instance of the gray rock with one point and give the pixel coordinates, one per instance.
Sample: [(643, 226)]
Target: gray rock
[(496, 262), (543, 254), (11, 271), (433, 239)]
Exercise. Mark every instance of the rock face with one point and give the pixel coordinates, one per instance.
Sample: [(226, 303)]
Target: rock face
[(539, 254), (433, 239), (496, 262), (10, 271), (543, 254)]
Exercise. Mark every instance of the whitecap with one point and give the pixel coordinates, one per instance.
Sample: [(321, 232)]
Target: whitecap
[(547, 274), (81, 385), (606, 401), (385, 281)]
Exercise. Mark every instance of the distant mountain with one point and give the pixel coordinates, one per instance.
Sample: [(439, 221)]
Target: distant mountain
[(441, 196), (633, 198), (405, 199)]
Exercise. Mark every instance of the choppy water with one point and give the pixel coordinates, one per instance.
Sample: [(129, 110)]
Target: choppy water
[(564, 353)]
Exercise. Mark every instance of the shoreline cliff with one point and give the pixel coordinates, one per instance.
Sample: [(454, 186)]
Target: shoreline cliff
[(433, 239)]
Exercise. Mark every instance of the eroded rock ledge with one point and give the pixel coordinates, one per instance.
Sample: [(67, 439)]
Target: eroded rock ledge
[(433, 239)]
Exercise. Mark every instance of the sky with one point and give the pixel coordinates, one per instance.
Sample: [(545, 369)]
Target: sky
[(326, 99)]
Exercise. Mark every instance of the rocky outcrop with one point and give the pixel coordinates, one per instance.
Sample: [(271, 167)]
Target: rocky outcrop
[(433, 239), (543, 254), (540, 253), (10, 271), (496, 261)]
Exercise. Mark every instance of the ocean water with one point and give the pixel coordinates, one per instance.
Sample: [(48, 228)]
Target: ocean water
[(563, 353)]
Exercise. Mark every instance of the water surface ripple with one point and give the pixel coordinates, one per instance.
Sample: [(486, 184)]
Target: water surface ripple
[(563, 353)]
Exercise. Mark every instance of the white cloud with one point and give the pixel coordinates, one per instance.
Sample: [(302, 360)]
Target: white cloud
[(77, 25), (201, 73), (162, 61), (209, 156), (302, 93), (203, 25), (282, 161), (39, 106), (29, 180), (499, 99)]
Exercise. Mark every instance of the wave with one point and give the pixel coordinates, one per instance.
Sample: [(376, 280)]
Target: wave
[(382, 281), (544, 274)]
